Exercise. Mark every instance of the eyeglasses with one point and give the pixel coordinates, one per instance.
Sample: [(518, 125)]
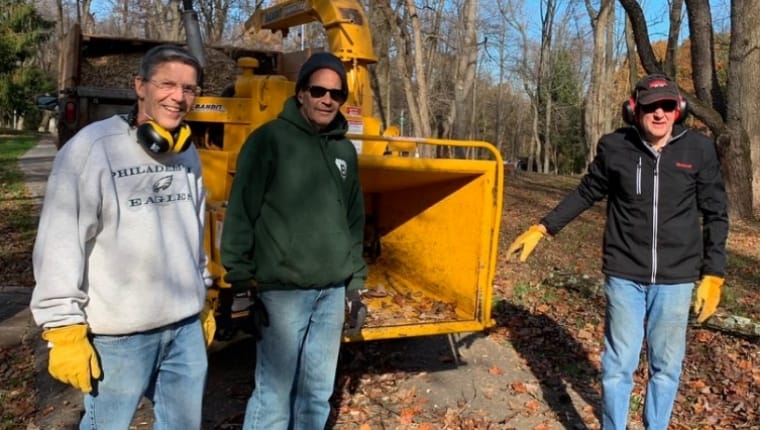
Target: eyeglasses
[(665, 105), (318, 92), (169, 86)]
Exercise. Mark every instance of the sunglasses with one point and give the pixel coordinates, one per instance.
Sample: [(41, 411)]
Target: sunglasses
[(665, 105), (318, 92)]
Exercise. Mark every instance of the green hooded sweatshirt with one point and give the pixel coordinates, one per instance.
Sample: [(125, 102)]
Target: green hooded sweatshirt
[(295, 217)]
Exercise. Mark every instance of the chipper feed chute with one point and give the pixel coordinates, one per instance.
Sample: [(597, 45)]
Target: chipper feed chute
[(430, 241)]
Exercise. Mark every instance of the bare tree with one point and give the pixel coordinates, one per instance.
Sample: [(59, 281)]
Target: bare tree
[(410, 62), (512, 14), (423, 129), (674, 32), (720, 112), (597, 113), (543, 76), (745, 53), (86, 19), (380, 74), (631, 58), (218, 16), (464, 74)]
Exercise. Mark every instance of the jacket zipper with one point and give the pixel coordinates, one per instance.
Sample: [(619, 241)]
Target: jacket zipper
[(638, 178), (655, 203)]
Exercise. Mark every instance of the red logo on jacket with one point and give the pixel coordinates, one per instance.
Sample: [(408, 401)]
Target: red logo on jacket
[(684, 165)]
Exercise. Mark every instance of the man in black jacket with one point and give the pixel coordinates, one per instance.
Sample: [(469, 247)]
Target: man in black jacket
[(659, 179)]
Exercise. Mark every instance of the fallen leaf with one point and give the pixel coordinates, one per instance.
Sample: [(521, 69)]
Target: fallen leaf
[(495, 371)]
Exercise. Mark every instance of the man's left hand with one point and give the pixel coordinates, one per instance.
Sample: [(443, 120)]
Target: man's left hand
[(708, 297)]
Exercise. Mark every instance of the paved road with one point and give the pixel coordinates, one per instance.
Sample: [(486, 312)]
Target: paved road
[(15, 318), (58, 405)]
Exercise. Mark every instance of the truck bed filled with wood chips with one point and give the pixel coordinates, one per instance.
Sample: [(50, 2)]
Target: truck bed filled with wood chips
[(112, 62)]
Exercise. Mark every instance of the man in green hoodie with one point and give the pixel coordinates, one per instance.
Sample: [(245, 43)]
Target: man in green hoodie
[(293, 234)]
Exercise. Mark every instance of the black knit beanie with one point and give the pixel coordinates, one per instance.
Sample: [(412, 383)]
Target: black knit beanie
[(321, 60)]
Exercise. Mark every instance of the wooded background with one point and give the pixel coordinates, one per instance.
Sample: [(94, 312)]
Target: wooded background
[(540, 79)]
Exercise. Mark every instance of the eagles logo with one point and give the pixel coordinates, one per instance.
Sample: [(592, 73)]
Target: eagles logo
[(342, 167), (162, 184)]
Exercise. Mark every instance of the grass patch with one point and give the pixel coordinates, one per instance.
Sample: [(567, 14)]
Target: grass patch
[(18, 225), (13, 196), (521, 291), (11, 178)]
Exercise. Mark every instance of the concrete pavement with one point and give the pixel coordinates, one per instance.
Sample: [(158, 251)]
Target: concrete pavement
[(15, 319), (59, 405)]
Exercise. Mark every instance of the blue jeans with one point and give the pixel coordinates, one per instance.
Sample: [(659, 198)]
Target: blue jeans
[(296, 359), (167, 365), (634, 310)]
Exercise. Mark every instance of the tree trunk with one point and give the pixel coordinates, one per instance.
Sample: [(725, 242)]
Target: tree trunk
[(736, 163), (380, 74), (747, 48), (467, 58), (597, 114), (61, 29), (630, 53), (422, 128), (703, 71), (733, 150), (671, 54)]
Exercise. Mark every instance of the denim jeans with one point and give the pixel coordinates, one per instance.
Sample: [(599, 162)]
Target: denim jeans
[(296, 359), (634, 310), (167, 365)]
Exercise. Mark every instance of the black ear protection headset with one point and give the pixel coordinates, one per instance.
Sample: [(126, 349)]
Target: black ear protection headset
[(630, 115), (157, 139)]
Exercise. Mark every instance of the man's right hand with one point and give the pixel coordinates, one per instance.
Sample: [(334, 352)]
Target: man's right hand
[(526, 242), (258, 316), (72, 358)]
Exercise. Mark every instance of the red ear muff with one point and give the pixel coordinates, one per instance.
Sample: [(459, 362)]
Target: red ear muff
[(682, 110), (629, 111), (158, 140)]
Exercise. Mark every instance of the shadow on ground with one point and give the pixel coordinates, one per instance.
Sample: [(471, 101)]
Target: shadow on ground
[(560, 364)]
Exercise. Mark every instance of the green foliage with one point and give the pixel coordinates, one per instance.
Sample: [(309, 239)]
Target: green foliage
[(19, 89), (566, 93), (22, 33)]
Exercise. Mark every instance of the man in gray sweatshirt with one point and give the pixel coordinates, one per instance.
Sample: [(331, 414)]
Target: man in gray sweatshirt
[(119, 262)]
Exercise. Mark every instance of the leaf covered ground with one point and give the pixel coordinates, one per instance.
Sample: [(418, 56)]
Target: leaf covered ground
[(720, 384), (548, 309)]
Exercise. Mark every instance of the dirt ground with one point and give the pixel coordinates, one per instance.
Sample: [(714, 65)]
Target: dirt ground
[(536, 369), (417, 374), (422, 371), (465, 380)]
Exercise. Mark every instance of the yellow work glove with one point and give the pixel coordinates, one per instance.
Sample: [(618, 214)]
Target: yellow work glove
[(72, 359), (208, 322), (708, 296), (527, 242)]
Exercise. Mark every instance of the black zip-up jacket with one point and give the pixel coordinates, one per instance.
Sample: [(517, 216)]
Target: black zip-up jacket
[(653, 232)]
